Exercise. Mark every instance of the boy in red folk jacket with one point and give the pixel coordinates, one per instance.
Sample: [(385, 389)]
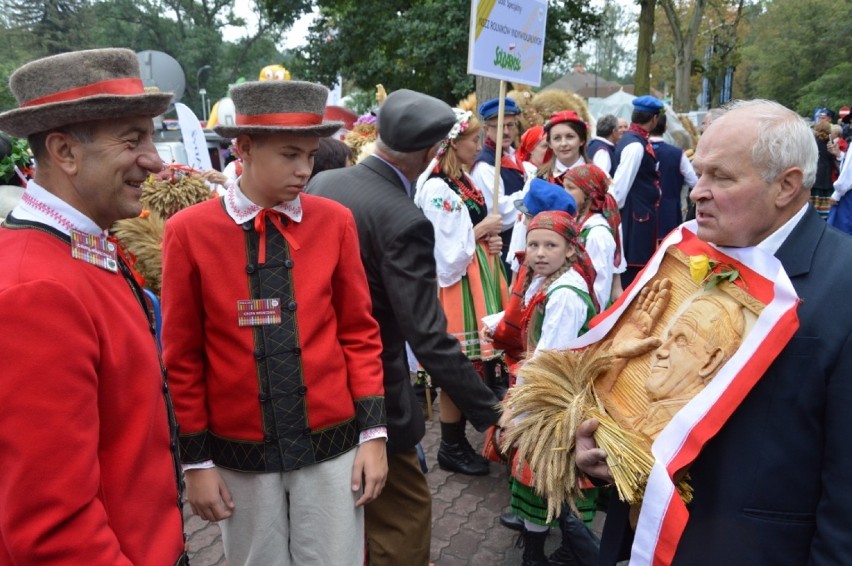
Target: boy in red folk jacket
[(273, 354)]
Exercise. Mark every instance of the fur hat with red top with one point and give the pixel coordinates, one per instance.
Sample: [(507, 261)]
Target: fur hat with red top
[(565, 116), (279, 107), (76, 87)]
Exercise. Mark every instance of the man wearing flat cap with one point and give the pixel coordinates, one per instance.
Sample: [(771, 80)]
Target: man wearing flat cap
[(272, 351), (636, 186), (511, 174), (397, 248), (87, 433)]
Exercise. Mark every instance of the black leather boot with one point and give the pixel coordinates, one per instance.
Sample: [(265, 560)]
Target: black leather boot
[(580, 546), (455, 454), (533, 544)]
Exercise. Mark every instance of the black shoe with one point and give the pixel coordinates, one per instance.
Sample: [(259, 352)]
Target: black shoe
[(533, 545), (472, 453), (454, 458), (562, 556), (580, 546), (512, 521)]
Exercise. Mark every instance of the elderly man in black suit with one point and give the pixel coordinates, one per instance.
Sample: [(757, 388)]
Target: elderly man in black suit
[(397, 247), (774, 485)]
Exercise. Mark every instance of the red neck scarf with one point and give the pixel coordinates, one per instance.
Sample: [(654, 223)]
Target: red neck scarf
[(645, 135), (260, 227)]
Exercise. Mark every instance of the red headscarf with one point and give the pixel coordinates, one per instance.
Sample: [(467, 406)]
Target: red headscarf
[(592, 180), (529, 140), (564, 224)]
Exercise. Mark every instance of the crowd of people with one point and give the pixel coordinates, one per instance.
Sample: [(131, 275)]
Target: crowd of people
[(282, 404)]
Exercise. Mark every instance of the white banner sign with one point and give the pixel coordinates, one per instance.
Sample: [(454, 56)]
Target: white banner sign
[(507, 40), (193, 139)]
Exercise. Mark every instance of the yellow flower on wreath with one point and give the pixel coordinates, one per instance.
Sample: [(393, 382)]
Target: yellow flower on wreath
[(699, 267), (710, 273)]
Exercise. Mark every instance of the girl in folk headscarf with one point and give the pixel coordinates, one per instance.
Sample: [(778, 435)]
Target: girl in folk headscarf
[(471, 278), (558, 304), (600, 227)]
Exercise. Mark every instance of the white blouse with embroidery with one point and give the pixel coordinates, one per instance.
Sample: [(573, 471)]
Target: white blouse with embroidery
[(455, 244), (565, 312)]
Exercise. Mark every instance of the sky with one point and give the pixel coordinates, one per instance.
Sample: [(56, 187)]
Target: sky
[(294, 37)]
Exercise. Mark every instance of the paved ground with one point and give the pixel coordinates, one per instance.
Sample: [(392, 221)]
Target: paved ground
[(465, 511)]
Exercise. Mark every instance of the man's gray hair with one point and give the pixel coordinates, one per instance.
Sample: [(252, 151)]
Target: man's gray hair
[(399, 157), (784, 140), (606, 126)]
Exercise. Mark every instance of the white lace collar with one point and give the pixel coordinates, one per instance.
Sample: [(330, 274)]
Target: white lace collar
[(241, 209)]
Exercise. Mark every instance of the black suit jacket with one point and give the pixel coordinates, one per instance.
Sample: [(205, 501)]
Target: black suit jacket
[(774, 486), (397, 248)]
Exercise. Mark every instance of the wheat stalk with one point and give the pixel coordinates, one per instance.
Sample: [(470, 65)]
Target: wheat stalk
[(554, 396)]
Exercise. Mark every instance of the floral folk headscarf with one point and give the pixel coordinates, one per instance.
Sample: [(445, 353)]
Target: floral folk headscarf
[(564, 224), (462, 124), (592, 180)]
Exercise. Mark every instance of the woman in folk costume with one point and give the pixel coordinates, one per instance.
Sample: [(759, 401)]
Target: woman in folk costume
[(558, 304), (471, 278), (826, 171), (600, 228), (533, 151), (566, 135)]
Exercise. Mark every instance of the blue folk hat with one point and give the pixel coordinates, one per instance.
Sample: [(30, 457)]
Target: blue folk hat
[(490, 108), (543, 196), (648, 103)]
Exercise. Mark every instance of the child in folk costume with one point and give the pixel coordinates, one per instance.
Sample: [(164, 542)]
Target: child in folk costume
[(558, 304), (600, 228), (274, 357), (471, 278)]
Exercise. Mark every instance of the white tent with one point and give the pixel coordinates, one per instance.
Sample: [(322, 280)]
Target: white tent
[(620, 104)]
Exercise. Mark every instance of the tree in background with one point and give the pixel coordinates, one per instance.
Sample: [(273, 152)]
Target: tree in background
[(644, 47), (53, 26), (609, 54), (188, 30), (716, 45), (684, 20), (417, 44), (725, 28), (799, 53)]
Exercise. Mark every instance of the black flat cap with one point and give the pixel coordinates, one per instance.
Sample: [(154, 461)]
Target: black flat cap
[(410, 121)]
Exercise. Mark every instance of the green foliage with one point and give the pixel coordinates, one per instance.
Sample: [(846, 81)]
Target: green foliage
[(416, 44), (188, 30), (797, 50), (831, 90), (361, 101), (18, 156), (56, 25), (285, 12)]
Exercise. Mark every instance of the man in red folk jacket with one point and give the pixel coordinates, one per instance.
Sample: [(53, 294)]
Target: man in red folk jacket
[(87, 433)]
